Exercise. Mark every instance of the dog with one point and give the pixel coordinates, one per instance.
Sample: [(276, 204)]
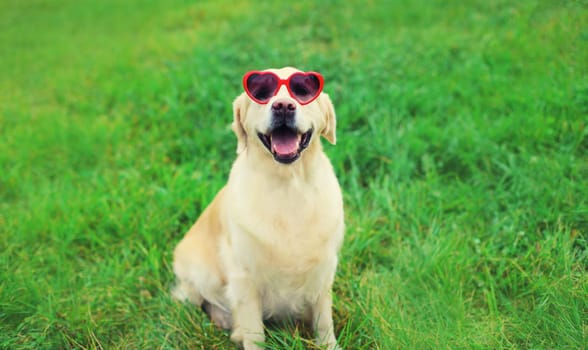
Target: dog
[(267, 246)]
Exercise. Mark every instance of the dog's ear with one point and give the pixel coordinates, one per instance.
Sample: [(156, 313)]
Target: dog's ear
[(239, 108), (330, 119)]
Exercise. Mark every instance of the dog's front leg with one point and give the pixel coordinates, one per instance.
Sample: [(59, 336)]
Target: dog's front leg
[(247, 312), (323, 321)]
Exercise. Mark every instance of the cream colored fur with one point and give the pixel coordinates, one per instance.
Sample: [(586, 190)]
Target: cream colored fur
[(267, 244)]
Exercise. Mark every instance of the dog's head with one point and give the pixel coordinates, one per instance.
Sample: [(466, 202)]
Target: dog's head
[(283, 112)]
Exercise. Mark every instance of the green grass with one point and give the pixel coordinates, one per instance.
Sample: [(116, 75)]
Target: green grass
[(462, 153)]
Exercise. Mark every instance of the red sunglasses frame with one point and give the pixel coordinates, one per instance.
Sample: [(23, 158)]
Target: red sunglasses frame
[(285, 82)]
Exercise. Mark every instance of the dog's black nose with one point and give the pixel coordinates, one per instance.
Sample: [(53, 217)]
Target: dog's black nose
[(283, 113)]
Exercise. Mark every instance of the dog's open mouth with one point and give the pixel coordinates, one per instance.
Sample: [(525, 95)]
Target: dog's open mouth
[(285, 143)]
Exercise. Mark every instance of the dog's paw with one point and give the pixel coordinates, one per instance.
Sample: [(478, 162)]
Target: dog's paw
[(237, 335), (249, 342), (329, 345), (251, 345)]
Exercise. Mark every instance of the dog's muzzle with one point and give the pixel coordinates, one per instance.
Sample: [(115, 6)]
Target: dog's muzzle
[(283, 139)]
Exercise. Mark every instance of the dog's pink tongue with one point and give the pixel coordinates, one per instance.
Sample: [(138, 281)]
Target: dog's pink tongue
[(285, 144)]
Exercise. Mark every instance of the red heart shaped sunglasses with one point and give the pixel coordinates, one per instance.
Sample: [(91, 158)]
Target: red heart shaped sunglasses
[(304, 87)]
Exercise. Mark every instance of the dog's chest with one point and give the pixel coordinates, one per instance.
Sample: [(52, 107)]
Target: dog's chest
[(288, 292), (291, 229), (285, 236), (290, 260)]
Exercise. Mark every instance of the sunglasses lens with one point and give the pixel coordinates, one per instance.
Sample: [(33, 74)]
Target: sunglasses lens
[(261, 86), (305, 86)]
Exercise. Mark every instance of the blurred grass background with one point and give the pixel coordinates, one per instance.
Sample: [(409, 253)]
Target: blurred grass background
[(462, 152)]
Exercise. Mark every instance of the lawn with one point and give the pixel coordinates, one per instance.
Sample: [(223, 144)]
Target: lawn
[(462, 153)]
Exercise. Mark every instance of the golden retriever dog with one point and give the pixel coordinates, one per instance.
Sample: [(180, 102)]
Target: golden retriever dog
[(267, 245)]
